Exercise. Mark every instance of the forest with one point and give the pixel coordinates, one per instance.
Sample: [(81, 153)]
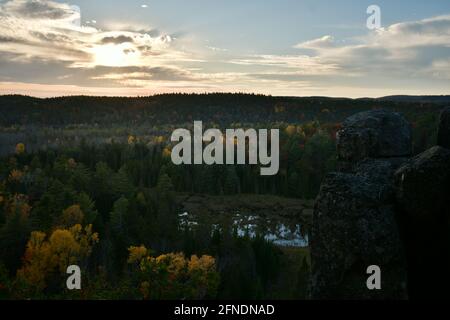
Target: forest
[(89, 181)]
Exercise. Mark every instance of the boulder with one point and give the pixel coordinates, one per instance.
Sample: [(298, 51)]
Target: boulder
[(373, 134), (379, 170), (354, 226), (444, 129), (355, 219), (423, 183), (423, 192)]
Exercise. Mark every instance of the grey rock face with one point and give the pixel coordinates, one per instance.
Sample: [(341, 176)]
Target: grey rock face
[(355, 221), (354, 227), (373, 134), (379, 170), (444, 129)]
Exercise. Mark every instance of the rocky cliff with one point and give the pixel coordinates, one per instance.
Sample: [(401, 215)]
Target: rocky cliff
[(383, 208)]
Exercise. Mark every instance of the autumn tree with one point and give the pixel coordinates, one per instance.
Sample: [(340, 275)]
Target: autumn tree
[(20, 148), (71, 216), (173, 276), (47, 258)]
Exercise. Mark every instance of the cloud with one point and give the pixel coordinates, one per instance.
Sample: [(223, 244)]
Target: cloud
[(294, 64), (40, 10), (216, 49), (42, 40), (324, 42), (117, 40), (427, 32), (401, 50), (49, 30), (404, 56), (125, 75)]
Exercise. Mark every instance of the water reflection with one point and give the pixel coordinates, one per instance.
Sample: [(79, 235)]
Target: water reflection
[(280, 234)]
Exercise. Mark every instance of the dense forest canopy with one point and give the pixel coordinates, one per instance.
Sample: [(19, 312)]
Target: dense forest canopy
[(89, 180), (179, 108)]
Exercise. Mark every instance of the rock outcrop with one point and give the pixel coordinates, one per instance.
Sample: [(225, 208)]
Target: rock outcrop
[(423, 194), (421, 184), (354, 227), (373, 134), (354, 222), (386, 209)]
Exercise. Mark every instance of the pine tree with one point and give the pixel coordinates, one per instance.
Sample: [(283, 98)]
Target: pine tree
[(232, 185), (118, 217), (14, 233)]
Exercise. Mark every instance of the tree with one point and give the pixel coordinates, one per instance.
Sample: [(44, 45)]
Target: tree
[(303, 278), (72, 216), (317, 160), (20, 148), (293, 186), (121, 184), (173, 276), (131, 140), (102, 189), (50, 256), (118, 216), (15, 231), (165, 186), (232, 183), (48, 209), (87, 206), (166, 219)]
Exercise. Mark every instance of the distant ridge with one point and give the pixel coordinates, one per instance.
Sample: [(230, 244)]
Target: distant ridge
[(433, 99), (444, 99)]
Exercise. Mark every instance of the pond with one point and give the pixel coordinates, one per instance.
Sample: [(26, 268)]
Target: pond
[(283, 234)]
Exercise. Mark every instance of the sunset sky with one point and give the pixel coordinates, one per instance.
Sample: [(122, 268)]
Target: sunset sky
[(278, 47)]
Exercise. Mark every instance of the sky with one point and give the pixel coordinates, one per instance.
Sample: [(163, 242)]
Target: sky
[(277, 47)]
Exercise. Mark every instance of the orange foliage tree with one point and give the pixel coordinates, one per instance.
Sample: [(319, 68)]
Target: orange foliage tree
[(173, 276), (47, 257)]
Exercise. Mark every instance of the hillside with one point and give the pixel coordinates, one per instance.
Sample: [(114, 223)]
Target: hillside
[(179, 108)]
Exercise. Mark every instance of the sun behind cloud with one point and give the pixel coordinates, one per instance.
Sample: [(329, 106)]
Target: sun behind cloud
[(115, 55)]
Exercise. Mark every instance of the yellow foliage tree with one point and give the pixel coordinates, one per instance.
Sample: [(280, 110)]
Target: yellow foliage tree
[(291, 130), (20, 148), (173, 276), (158, 139), (131, 139), (136, 254), (167, 153), (48, 256), (15, 175)]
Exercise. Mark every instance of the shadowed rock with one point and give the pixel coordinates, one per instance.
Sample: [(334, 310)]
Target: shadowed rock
[(444, 129), (423, 192), (373, 134), (354, 226), (354, 222), (422, 183)]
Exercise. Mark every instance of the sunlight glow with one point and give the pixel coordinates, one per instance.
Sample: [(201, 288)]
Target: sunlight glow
[(115, 55)]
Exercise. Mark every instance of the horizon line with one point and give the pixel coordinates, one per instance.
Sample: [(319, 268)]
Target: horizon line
[(219, 93)]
